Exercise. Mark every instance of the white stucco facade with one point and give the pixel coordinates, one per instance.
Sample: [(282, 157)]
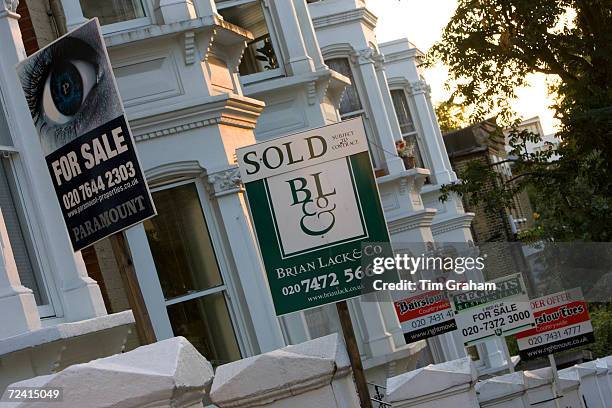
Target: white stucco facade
[(199, 79)]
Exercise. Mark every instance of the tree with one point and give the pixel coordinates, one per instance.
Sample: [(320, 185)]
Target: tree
[(451, 116), (490, 46)]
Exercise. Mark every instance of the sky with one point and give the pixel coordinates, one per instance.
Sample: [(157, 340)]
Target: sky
[(422, 23)]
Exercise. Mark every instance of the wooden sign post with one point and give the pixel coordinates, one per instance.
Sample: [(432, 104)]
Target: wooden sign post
[(353, 352)]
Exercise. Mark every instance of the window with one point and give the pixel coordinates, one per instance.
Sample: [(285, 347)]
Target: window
[(350, 104), (189, 274), (113, 11), (19, 237), (407, 127), (260, 55)]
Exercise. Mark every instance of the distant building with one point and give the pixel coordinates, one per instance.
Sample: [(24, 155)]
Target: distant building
[(485, 142), (534, 125)]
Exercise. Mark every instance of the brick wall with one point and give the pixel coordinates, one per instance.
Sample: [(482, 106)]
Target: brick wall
[(27, 28), (491, 231)]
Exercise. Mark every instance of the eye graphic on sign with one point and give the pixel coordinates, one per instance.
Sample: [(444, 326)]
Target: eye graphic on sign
[(69, 89), (65, 89)]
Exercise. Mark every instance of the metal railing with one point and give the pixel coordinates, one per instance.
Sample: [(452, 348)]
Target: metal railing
[(379, 395)]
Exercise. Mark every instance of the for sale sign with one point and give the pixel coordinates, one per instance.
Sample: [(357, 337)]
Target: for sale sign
[(484, 314), (90, 154), (314, 202), (425, 314), (562, 322)]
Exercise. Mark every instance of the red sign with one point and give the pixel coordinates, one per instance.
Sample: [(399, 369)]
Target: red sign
[(562, 322)]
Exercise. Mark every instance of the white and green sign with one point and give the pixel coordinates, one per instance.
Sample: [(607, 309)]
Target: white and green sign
[(314, 202), (483, 314)]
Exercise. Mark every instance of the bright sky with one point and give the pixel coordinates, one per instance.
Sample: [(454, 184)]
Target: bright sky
[(422, 23)]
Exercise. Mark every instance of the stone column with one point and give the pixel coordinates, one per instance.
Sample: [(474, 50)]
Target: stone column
[(376, 338), (365, 62), (173, 11), (419, 90), (226, 188), (308, 33), (81, 297), (299, 61), (19, 311), (205, 8), (589, 388), (74, 13), (379, 64)]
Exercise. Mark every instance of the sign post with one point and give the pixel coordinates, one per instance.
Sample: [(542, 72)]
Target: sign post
[(354, 356), (88, 147), (315, 208)]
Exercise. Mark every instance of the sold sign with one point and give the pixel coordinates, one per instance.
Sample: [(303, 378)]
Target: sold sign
[(313, 201)]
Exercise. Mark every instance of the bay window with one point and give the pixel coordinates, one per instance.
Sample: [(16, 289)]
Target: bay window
[(350, 104), (195, 292), (260, 57)]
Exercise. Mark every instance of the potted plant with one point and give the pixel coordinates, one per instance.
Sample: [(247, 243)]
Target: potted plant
[(405, 150)]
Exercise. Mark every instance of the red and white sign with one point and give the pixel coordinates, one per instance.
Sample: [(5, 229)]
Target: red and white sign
[(562, 322), (425, 314)]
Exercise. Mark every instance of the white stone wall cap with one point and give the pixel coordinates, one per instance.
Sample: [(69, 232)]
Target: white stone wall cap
[(65, 331), (599, 369), (167, 373), (501, 386), (329, 347), (601, 362), (431, 379), (542, 376), (569, 373), (279, 374)]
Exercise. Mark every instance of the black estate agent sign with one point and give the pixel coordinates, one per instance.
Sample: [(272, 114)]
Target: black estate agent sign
[(90, 153)]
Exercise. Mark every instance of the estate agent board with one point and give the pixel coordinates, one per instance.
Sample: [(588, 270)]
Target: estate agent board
[(90, 154), (314, 202), (563, 323)]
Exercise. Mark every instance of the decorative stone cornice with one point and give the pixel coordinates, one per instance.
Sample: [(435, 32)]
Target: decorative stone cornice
[(454, 223), (229, 110), (225, 182), (360, 14), (421, 219)]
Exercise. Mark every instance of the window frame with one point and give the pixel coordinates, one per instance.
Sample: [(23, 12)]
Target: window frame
[(357, 81), (236, 309), (32, 235), (246, 80), (416, 133), (126, 25)]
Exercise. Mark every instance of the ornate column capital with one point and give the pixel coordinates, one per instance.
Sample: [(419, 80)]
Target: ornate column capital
[(225, 182), (368, 55), (418, 87), (9, 6)]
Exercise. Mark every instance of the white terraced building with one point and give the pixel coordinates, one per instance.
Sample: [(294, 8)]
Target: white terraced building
[(198, 79)]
